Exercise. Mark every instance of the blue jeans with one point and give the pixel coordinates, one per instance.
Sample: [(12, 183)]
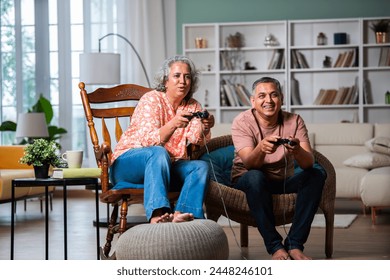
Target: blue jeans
[(308, 185), (150, 168)]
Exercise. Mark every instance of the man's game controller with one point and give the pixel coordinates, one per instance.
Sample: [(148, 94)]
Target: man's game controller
[(282, 141), (202, 115)]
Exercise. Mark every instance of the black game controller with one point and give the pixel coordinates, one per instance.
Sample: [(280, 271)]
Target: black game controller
[(282, 141), (202, 115)]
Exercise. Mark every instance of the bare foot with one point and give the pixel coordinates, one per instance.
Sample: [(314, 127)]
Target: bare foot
[(179, 217), (297, 254), (166, 218), (280, 254)]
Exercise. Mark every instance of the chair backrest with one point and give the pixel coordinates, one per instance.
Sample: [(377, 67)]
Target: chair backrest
[(113, 103)]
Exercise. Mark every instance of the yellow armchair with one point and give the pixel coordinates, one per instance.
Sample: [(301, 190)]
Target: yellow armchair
[(10, 169)]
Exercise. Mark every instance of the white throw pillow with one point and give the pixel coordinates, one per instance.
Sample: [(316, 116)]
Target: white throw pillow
[(368, 160), (379, 145)]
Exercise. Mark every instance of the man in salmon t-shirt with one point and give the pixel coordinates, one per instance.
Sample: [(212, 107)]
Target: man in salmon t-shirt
[(268, 143)]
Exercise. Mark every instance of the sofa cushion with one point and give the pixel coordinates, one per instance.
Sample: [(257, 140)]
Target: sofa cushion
[(368, 160), (341, 133), (379, 145), (348, 181)]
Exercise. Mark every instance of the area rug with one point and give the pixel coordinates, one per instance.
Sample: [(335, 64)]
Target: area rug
[(340, 221)]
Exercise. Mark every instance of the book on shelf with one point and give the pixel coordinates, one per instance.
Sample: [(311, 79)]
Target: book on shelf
[(295, 96), (367, 92), (384, 57), (338, 60), (225, 61), (347, 59), (87, 172), (349, 95), (243, 97), (230, 94), (329, 96), (355, 98), (300, 60), (340, 96), (277, 60), (341, 59), (294, 60), (319, 97), (223, 96)]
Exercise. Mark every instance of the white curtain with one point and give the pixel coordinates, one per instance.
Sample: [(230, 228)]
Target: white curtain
[(142, 23)]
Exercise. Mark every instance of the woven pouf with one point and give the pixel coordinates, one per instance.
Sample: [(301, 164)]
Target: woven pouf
[(196, 240)]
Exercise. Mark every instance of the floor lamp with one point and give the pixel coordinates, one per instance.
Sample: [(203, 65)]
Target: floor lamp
[(104, 68)]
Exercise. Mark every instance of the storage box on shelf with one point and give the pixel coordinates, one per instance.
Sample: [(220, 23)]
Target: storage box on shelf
[(349, 63)]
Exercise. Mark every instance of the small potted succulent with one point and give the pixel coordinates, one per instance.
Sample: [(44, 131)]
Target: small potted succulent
[(41, 154), (381, 29)]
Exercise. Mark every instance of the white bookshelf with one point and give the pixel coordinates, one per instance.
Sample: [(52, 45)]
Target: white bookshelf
[(293, 36)]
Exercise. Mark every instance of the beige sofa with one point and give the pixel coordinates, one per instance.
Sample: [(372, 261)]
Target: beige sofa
[(361, 173), (10, 168)]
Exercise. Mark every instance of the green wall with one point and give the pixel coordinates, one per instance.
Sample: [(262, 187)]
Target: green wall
[(204, 11)]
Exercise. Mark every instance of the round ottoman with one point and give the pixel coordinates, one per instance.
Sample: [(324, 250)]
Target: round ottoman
[(200, 239)]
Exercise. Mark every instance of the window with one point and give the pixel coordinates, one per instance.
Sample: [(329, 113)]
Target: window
[(39, 53)]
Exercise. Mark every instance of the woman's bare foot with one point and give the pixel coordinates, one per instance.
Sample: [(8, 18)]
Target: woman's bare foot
[(280, 254), (297, 254), (165, 218), (179, 217)]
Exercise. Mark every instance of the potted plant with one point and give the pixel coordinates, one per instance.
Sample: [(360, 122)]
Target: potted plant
[(381, 28), (41, 154)]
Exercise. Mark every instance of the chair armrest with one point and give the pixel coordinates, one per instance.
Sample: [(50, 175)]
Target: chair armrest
[(103, 160)]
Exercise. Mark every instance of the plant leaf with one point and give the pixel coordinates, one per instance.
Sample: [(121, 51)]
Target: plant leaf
[(43, 105), (8, 126)]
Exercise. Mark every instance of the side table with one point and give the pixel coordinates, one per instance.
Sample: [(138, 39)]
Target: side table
[(33, 182)]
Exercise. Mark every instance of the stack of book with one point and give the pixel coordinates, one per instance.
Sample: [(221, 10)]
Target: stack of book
[(234, 94), (298, 60), (343, 95), (347, 59)]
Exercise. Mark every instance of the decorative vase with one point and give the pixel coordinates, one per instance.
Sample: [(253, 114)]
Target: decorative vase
[(381, 37), (42, 172)]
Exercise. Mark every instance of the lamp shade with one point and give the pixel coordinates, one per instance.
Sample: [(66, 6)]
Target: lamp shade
[(32, 125), (100, 68)]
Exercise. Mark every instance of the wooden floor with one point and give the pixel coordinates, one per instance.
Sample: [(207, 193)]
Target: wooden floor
[(361, 241)]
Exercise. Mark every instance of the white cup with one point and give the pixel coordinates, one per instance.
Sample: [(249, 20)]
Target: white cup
[(73, 158)]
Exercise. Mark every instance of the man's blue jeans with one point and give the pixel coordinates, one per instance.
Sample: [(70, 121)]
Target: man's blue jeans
[(151, 168), (308, 185)]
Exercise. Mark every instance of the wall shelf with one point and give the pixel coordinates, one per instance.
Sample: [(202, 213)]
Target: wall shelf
[(362, 72)]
